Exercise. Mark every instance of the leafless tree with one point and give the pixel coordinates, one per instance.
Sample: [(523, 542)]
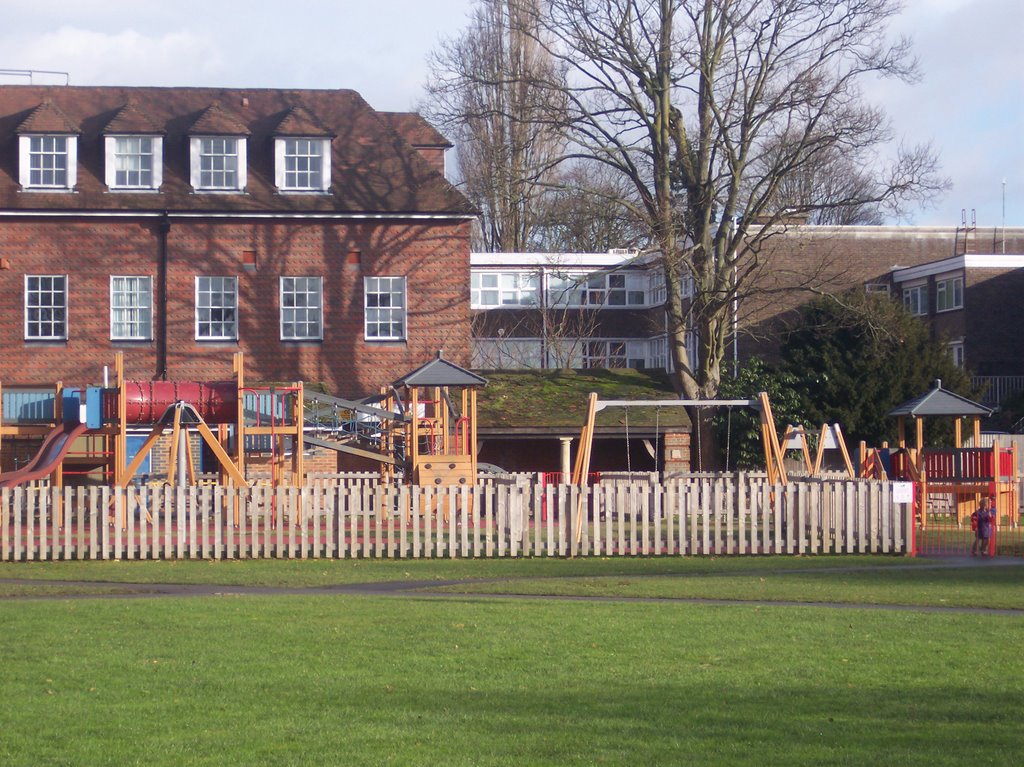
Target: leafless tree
[(707, 107), (500, 95), (585, 214)]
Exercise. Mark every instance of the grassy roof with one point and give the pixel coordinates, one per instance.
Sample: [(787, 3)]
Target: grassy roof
[(558, 398)]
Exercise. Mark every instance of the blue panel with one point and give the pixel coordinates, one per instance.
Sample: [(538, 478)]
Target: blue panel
[(132, 450), (94, 407)]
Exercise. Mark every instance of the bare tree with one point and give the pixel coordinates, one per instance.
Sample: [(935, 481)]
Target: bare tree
[(585, 214), (707, 107), (500, 95), (836, 189)]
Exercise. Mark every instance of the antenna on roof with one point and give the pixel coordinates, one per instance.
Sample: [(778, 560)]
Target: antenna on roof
[(30, 75)]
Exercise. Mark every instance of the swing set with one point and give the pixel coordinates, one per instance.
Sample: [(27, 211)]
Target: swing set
[(769, 438)]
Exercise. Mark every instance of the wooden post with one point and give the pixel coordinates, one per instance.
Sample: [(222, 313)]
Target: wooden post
[(958, 438), (472, 432), (238, 363), (414, 432), (298, 462), (901, 428)]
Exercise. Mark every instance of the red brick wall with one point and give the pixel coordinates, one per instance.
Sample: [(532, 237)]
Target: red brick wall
[(434, 256)]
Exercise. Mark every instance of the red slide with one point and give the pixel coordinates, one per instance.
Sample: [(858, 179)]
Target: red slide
[(55, 447)]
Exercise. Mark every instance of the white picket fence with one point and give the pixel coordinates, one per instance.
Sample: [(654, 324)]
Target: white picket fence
[(727, 515)]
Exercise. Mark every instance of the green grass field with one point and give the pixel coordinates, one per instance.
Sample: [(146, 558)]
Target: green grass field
[(314, 680)]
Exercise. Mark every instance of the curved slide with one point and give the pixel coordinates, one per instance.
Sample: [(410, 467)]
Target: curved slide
[(45, 462)]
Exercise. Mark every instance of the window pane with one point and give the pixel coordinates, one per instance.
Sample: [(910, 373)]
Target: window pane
[(218, 163), (384, 308), (301, 308), (45, 307), (216, 305), (131, 308), (303, 164)]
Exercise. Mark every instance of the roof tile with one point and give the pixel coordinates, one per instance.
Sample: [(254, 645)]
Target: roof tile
[(299, 121), (47, 118), (216, 120), (131, 119), (374, 170)]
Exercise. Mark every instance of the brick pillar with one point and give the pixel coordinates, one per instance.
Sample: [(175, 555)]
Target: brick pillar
[(676, 452)]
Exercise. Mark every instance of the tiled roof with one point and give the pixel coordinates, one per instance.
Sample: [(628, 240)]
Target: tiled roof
[(299, 121), (216, 120), (374, 170), (47, 118), (940, 402), (131, 119), (414, 129), (440, 372)]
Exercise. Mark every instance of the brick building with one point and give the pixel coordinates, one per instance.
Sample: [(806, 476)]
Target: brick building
[(180, 225)]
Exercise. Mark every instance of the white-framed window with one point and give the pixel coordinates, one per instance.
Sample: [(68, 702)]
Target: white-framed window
[(659, 353), (301, 309), (658, 288), (949, 293), (216, 308), (507, 353), (384, 308), (617, 289), (956, 351), (131, 308), (302, 164), (218, 163), (48, 162), (134, 162), (615, 354), (46, 307), (876, 288), (492, 289), (915, 299)]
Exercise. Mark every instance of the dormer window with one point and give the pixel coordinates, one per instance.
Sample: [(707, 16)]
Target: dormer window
[(218, 163), (302, 164), (134, 162), (48, 162)]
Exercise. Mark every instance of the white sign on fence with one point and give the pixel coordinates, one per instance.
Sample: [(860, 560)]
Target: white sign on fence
[(902, 492)]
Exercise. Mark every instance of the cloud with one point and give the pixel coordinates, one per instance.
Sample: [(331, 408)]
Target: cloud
[(127, 57)]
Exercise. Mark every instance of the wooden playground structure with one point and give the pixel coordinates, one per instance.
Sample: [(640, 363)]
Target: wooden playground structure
[(963, 474), (421, 430)]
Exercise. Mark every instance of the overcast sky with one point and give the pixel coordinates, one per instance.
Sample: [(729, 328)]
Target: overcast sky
[(970, 103)]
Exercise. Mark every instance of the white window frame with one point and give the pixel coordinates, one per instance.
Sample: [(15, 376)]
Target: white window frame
[(196, 163), (140, 286), (918, 307), (508, 289), (376, 312), (956, 350), (313, 304), (507, 353), (600, 290), (111, 157), (51, 306), (25, 155), (949, 289), (208, 306), (281, 172)]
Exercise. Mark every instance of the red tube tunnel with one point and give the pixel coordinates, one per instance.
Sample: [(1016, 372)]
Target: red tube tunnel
[(147, 401)]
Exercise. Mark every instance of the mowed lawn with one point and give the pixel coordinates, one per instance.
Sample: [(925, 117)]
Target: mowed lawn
[(322, 680)]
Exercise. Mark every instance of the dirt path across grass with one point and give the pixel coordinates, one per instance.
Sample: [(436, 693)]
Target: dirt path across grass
[(426, 589)]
